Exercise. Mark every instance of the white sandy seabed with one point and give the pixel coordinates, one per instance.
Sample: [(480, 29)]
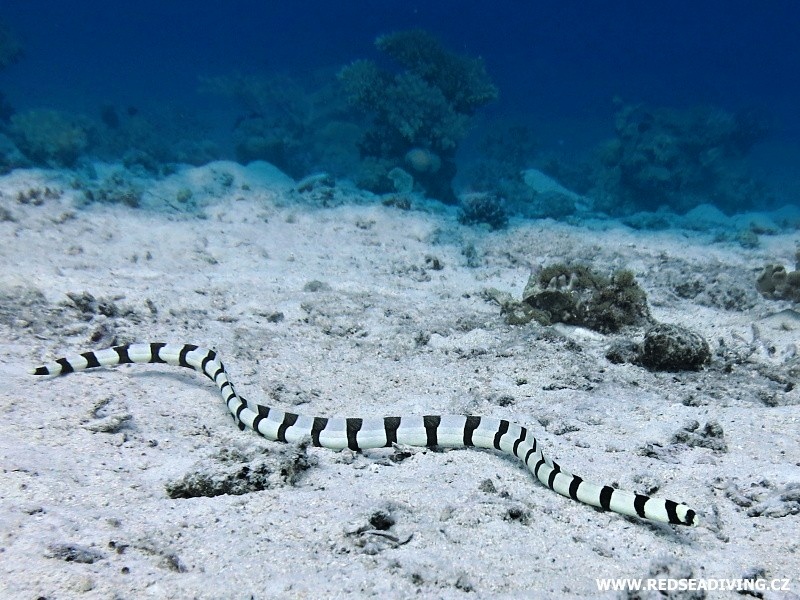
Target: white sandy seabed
[(368, 310)]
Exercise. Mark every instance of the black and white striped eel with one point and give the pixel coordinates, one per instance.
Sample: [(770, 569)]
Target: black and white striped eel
[(445, 431)]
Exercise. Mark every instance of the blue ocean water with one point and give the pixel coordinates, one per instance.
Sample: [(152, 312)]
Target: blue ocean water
[(563, 71)]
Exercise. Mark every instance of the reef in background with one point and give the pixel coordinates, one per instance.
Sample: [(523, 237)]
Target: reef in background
[(679, 159), (395, 130), (419, 115)]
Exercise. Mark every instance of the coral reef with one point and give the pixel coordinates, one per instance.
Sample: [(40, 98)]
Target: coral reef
[(151, 142), (776, 283), (422, 160), (318, 188), (402, 180), (678, 159), (577, 295), (503, 166), (462, 80), (502, 155), (300, 126), (10, 156), (420, 114), (483, 207), (49, 137), (550, 198)]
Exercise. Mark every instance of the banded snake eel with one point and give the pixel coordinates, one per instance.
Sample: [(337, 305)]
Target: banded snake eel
[(445, 431)]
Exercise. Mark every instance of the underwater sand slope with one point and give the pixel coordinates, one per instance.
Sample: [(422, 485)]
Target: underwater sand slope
[(134, 482)]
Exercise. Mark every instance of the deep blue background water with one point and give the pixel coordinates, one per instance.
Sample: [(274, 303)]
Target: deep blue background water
[(558, 63)]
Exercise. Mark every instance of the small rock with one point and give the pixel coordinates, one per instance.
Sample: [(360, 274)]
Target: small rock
[(316, 286), (487, 486), (74, 553), (623, 351), (674, 348), (709, 436), (381, 520)]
